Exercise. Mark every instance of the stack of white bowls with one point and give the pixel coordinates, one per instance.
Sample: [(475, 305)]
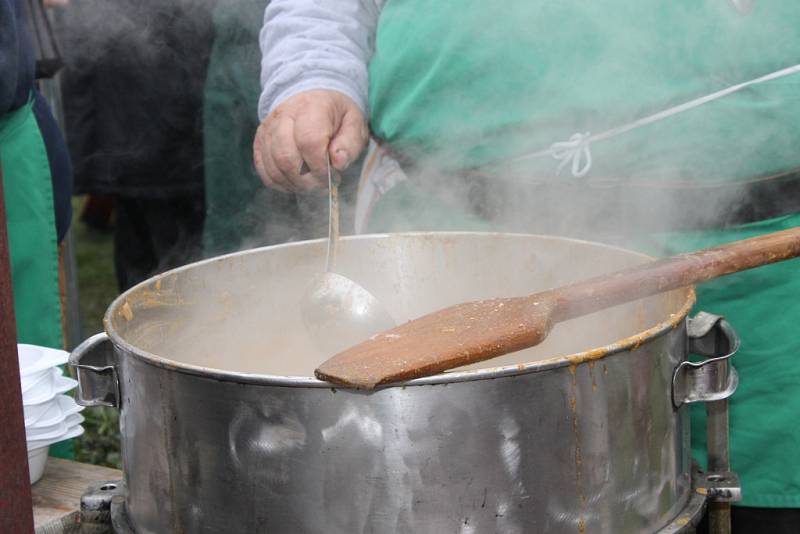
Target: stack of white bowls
[(50, 416)]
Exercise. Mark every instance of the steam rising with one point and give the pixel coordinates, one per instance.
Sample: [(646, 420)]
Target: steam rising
[(568, 70), (659, 178)]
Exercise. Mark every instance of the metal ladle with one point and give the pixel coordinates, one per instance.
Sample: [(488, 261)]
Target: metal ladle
[(336, 311)]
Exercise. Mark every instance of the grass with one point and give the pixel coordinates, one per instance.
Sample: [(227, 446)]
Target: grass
[(97, 284), (97, 287)]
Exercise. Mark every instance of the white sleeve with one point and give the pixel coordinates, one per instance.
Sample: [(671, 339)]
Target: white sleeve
[(316, 44)]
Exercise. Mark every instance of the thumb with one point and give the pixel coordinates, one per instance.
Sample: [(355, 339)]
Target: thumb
[(349, 140)]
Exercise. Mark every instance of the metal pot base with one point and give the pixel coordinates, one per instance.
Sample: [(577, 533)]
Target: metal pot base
[(118, 521)]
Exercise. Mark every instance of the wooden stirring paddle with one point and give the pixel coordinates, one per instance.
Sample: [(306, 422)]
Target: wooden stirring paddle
[(477, 331)]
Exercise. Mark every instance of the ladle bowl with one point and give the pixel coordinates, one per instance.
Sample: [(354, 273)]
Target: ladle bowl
[(336, 311)]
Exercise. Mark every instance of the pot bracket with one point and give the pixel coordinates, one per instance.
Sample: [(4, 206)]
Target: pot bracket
[(714, 378)]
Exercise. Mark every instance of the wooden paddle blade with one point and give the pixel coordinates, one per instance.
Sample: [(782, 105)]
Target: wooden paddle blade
[(452, 337), (473, 332)]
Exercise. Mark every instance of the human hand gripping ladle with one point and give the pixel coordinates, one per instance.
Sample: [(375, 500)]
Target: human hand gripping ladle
[(336, 311)]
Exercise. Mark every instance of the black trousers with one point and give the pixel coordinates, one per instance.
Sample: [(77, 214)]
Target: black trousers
[(154, 235), (745, 520)]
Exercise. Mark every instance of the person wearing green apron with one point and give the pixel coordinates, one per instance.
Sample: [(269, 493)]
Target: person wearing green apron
[(661, 126), (35, 164), (240, 212)]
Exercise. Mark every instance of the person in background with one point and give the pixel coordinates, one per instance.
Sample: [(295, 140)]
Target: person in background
[(240, 212), (37, 179), (133, 89), (671, 126)]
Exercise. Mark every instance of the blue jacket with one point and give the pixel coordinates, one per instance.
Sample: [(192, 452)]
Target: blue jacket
[(17, 61)]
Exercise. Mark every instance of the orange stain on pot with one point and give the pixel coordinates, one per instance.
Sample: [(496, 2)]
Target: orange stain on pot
[(126, 311), (573, 407), (635, 341)]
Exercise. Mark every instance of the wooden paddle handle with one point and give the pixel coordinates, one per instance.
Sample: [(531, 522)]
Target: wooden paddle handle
[(672, 273), (480, 330)]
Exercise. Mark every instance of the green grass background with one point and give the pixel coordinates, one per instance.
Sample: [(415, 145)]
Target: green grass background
[(97, 287)]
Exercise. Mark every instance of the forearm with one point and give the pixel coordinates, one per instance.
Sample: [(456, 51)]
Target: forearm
[(313, 44)]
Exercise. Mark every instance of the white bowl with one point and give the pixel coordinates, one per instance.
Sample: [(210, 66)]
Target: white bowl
[(50, 411), (37, 460), (34, 412), (72, 432), (39, 381), (36, 405), (53, 431), (47, 388), (34, 361), (34, 358)]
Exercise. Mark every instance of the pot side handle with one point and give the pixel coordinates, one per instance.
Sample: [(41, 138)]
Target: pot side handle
[(714, 378), (95, 365)]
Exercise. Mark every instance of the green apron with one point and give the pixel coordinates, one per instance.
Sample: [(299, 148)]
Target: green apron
[(230, 96), (473, 84), (240, 211), (32, 237), (477, 83), (763, 305)]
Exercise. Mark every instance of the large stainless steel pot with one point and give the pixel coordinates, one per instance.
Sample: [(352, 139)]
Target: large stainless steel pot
[(224, 430)]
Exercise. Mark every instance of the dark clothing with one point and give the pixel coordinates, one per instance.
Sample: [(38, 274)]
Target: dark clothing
[(60, 165), (747, 520), (17, 60), (151, 236), (133, 87)]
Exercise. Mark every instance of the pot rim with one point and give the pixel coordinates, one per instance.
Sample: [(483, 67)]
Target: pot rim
[(448, 377)]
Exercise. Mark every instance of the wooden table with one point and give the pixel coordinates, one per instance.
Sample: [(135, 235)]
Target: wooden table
[(57, 495)]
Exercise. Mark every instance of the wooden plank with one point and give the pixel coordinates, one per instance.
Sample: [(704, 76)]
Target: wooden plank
[(58, 493), (15, 491)]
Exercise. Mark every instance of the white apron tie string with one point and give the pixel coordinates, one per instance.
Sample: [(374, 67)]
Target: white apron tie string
[(575, 151)]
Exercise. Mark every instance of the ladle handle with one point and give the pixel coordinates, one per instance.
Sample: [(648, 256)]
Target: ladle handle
[(333, 219), (672, 273)]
